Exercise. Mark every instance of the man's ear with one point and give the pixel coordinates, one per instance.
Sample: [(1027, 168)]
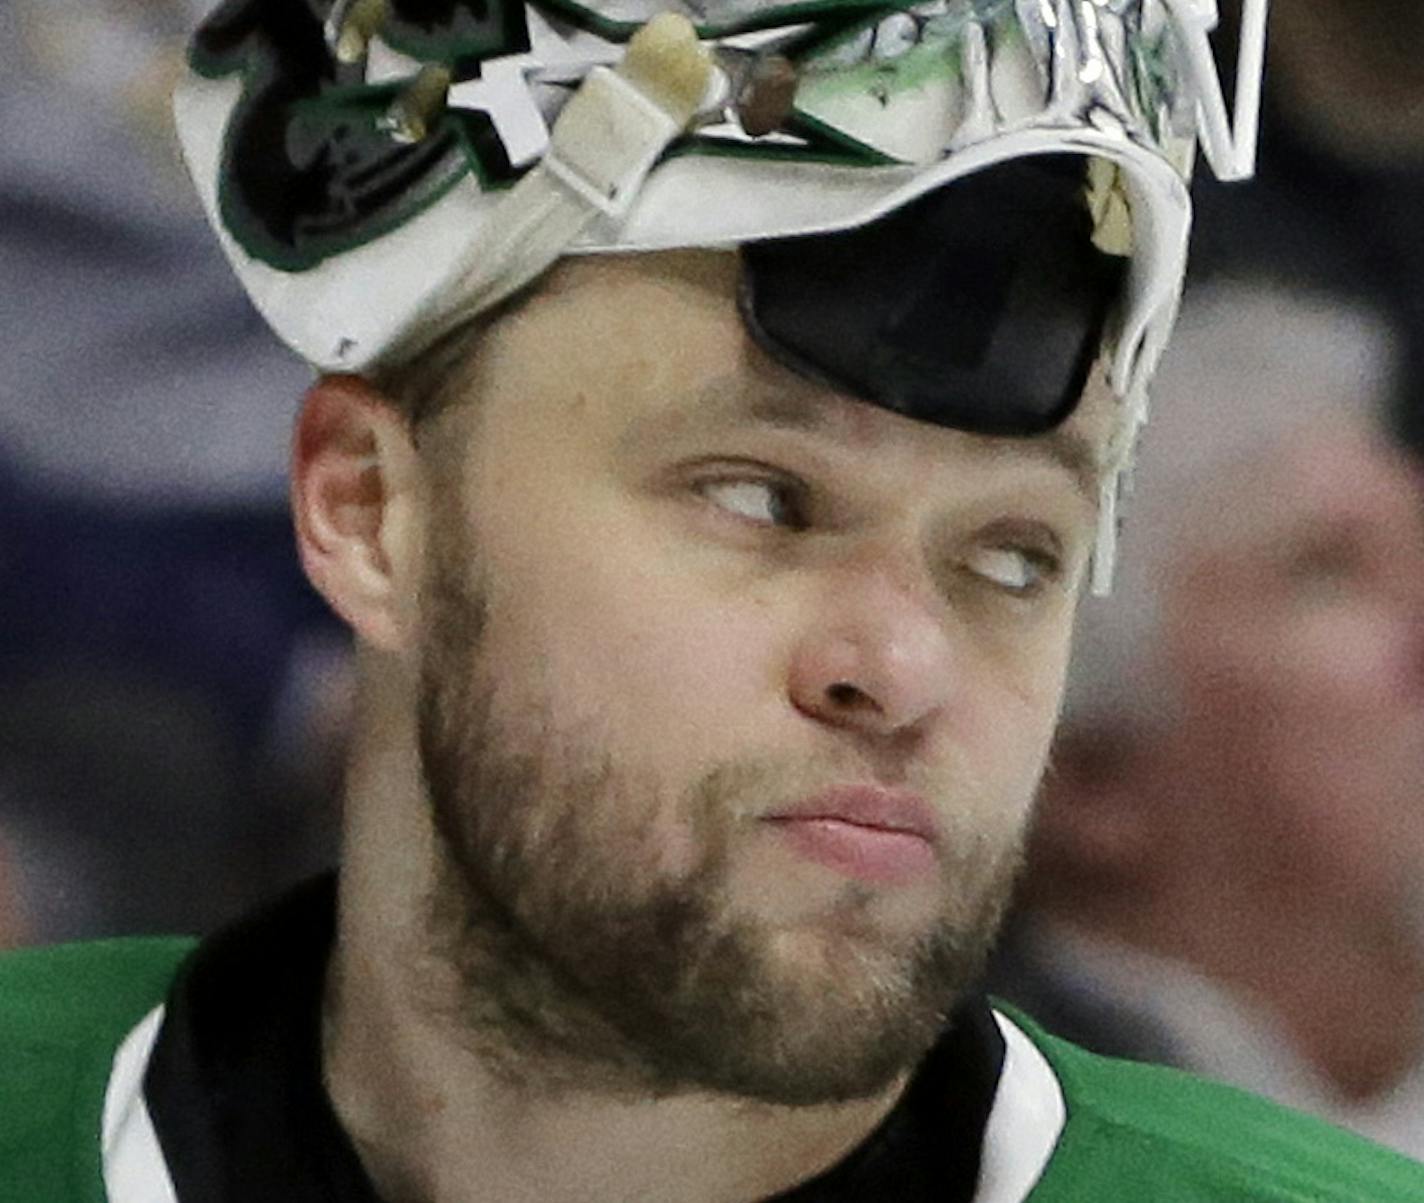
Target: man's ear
[(357, 506)]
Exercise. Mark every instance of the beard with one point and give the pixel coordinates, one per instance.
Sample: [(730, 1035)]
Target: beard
[(584, 963)]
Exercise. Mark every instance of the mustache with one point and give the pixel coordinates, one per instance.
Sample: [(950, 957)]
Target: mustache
[(750, 787)]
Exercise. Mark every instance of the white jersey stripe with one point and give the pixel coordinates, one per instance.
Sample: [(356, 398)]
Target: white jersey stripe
[(134, 1169), (1025, 1124), (1023, 1129)]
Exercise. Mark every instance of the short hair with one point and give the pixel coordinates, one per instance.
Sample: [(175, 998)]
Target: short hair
[(437, 377), (434, 379)]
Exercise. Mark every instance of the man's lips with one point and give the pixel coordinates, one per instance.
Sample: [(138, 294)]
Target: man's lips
[(877, 835)]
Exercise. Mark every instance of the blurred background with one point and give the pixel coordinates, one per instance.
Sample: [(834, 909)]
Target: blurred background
[(1228, 872), (171, 691)]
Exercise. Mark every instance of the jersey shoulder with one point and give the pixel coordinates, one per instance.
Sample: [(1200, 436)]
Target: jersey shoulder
[(1145, 1131), (63, 1013), (73, 993)]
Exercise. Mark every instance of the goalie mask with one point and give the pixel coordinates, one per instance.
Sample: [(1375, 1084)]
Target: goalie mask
[(948, 208)]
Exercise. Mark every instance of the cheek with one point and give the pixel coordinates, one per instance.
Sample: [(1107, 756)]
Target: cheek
[(1012, 711), (1031, 678), (646, 659), (1024, 734), (688, 669)]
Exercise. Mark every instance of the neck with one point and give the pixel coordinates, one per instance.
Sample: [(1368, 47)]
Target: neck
[(435, 1121)]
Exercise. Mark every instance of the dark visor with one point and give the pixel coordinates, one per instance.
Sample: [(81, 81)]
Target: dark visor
[(980, 306)]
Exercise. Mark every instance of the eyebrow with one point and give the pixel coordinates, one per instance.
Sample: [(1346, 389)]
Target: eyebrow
[(826, 417), (1062, 448)]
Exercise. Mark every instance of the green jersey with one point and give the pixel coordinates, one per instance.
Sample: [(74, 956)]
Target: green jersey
[(161, 1071)]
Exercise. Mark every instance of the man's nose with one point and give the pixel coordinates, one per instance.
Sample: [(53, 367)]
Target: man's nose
[(879, 654)]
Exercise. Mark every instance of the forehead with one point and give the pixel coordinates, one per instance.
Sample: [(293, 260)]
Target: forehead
[(650, 350)]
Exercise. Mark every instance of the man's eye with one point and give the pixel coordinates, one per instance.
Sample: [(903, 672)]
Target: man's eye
[(1018, 570), (771, 502)]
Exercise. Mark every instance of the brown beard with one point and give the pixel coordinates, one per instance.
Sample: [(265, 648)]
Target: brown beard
[(582, 967)]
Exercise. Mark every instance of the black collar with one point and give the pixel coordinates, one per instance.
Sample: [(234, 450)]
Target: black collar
[(235, 1091)]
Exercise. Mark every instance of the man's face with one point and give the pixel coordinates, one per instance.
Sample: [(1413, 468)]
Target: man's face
[(1299, 624), (698, 635)]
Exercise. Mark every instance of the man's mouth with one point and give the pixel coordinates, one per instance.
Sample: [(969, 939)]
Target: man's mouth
[(888, 837)]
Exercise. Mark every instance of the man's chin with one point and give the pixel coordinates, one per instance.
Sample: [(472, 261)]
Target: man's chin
[(814, 1014), (831, 949), (820, 1051)]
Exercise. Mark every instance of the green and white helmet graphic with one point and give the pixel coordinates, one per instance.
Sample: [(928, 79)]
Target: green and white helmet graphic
[(379, 169)]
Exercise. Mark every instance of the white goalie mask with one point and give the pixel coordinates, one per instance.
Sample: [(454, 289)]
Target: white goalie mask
[(379, 171)]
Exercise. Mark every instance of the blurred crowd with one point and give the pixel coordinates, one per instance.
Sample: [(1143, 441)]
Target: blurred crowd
[(1228, 867), (1228, 871), (167, 680)]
